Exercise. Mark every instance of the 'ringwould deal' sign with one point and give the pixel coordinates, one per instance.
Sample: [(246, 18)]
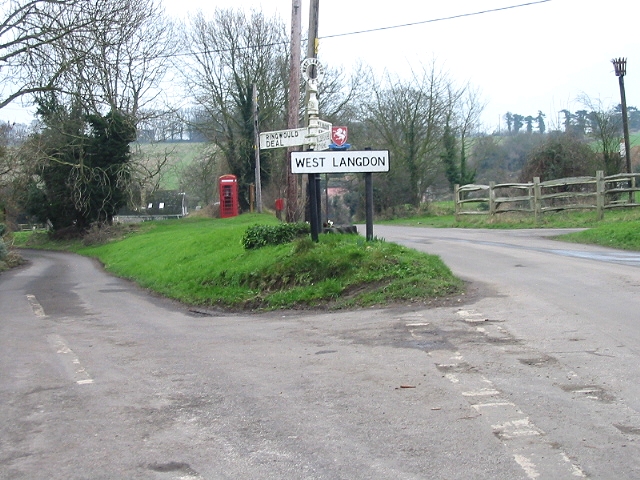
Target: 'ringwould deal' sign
[(365, 161)]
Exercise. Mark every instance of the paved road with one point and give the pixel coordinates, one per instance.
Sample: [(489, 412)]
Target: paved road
[(533, 374)]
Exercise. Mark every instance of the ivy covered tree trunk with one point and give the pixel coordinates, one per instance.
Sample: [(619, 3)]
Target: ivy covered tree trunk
[(84, 174), (107, 155)]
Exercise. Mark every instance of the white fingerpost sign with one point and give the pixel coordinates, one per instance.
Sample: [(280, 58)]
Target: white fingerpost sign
[(284, 138)]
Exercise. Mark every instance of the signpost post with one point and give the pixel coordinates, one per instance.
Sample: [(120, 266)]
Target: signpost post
[(319, 136), (366, 161)]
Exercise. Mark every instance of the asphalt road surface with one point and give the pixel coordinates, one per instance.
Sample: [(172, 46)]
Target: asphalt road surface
[(533, 374)]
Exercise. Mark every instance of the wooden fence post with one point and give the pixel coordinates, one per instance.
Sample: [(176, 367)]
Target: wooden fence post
[(600, 194), (532, 198), (456, 202), (537, 193), (492, 199)]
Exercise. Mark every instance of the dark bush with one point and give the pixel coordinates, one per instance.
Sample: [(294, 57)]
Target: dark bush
[(258, 236), (560, 156)]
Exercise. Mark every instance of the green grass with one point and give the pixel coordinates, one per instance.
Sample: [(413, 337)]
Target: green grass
[(625, 236), (442, 215), (619, 228), (202, 262)]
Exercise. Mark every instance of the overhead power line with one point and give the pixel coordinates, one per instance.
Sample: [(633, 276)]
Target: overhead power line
[(378, 29), (433, 20)]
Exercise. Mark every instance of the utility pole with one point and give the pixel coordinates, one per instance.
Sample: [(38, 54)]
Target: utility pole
[(312, 47), (294, 105), (256, 149), (313, 178)]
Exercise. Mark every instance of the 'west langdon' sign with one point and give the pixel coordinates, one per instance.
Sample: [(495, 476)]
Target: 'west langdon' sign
[(350, 161)]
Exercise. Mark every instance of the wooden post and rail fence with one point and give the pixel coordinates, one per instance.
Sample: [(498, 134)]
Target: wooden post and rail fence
[(576, 193)]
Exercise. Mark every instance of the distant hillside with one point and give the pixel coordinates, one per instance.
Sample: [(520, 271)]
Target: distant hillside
[(178, 155)]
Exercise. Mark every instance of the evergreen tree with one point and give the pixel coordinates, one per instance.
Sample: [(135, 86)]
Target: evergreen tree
[(529, 121), (509, 118), (517, 123), (448, 156), (83, 172), (455, 170), (108, 154), (540, 120)]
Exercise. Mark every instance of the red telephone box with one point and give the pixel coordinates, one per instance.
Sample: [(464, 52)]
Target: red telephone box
[(228, 186)]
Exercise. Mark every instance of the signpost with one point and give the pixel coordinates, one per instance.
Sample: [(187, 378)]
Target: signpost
[(283, 138), (323, 141), (324, 125), (320, 135), (348, 161), (316, 138)]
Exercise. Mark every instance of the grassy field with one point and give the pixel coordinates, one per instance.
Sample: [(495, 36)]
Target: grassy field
[(202, 262), (178, 155)]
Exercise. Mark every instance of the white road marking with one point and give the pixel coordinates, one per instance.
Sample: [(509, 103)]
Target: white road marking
[(452, 378), (481, 393), (71, 360), (35, 306), (471, 316), (518, 433), (478, 406), (527, 465), (517, 428)]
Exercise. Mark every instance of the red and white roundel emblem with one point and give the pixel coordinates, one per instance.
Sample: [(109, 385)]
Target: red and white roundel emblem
[(339, 135)]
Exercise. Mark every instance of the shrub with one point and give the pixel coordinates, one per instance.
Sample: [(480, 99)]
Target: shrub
[(559, 156), (258, 236)]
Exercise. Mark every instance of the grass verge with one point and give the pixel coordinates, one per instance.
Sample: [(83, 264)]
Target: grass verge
[(624, 236), (619, 229), (442, 216), (202, 262)]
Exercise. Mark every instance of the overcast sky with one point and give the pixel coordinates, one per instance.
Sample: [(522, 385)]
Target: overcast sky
[(540, 56), (536, 57)]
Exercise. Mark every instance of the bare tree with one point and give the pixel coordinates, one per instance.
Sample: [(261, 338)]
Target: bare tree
[(28, 28), (469, 110), (605, 127), (200, 178), (340, 94), (409, 117), (91, 87), (116, 64), (229, 53)]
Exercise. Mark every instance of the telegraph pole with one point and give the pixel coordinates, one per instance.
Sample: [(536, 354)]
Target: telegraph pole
[(256, 149), (294, 105), (313, 178), (312, 47)]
